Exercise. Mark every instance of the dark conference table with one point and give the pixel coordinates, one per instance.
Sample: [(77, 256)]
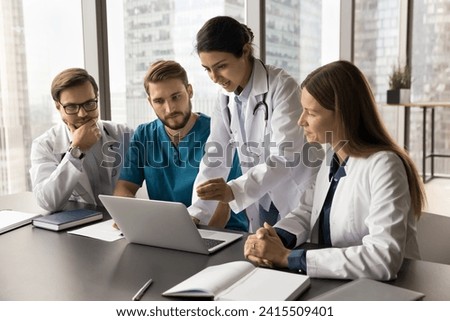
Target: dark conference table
[(37, 265)]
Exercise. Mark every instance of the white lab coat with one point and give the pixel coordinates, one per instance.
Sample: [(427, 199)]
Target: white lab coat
[(371, 220), (56, 179), (284, 177)]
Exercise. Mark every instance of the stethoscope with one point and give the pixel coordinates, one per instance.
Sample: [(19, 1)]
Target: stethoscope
[(258, 106), (263, 103)]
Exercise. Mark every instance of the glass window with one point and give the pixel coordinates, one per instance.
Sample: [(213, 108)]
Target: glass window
[(298, 37), (146, 30), (431, 77), (376, 49), (41, 38)]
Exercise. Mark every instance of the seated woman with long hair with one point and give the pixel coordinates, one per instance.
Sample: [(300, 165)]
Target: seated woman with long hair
[(367, 196)]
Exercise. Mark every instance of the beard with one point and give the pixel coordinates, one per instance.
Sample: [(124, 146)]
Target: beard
[(182, 123)]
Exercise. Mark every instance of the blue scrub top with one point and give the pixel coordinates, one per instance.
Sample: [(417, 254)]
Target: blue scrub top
[(168, 170)]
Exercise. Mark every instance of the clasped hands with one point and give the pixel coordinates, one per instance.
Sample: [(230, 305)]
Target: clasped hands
[(264, 248)]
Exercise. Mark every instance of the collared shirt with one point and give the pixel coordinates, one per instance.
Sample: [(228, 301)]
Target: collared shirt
[(297, 258), (241, 102), (169, 171), (98, 175), (91, 164), (337, 171), (58, 177)]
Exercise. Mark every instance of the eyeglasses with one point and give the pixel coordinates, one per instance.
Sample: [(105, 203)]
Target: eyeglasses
[(88, 106)]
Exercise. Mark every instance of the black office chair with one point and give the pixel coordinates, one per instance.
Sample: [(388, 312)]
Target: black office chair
[(433, 233)]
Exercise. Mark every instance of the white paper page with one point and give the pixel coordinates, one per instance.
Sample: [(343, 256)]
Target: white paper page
[(265, 285), (102, 231), (22, 202), (14, 218), (212, 279)]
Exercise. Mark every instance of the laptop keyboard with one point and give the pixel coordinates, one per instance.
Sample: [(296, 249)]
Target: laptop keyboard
[(210, 243)]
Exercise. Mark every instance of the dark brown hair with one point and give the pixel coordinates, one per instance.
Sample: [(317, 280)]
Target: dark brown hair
[(163, 70), (225, 34), (70, 78)]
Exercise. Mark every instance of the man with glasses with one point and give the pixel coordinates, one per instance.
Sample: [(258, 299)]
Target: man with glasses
[(80, 157)]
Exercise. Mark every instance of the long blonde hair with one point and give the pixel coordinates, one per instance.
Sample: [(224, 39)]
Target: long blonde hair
[(340, 86)]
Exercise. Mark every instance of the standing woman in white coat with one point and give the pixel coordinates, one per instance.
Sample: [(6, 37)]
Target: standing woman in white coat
[(368, 194), (255, 116)]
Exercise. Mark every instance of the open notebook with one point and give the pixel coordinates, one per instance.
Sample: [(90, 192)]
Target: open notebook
[(17, 210), (241, 281), (10, 220)]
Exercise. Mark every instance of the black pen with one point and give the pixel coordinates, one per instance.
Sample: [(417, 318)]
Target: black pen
[(142, 290)]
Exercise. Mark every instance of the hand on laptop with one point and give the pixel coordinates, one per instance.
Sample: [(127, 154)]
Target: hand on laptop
[(195, 220), (221, 215), (114, 225)]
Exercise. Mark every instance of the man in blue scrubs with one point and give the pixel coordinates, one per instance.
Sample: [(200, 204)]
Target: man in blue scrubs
[(166, 152)]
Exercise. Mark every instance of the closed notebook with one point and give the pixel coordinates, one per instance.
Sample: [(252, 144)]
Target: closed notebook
[(10, 220), (369, 290), (241, 281), (67, 219)]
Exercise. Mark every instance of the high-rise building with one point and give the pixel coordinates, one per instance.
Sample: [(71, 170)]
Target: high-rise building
[(431, 76), (161, 29), (286, 23), (15, 138), (376, 52), (376, 49)]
